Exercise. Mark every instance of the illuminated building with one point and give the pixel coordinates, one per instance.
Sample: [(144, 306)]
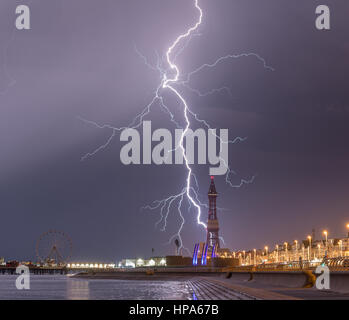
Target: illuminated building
[(139, 263), (167, 261), (90, 265)]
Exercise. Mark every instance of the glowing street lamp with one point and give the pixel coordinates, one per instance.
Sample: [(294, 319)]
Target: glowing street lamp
[(326, 235), (309, 248), (286, 244)]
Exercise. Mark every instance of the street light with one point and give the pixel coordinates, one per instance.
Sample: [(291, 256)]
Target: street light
[(309, 248), (266, 252), (286, 251), (341, 247), (326, 235)]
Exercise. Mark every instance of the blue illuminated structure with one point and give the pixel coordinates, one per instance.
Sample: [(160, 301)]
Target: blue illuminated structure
[(204, 256), (213, 253), (195, 255)]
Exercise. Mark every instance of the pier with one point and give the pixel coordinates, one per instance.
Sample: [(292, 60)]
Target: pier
[(36, 270)]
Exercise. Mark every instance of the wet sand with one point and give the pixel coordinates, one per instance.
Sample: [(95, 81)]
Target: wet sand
[(161, 276), (216, 285)]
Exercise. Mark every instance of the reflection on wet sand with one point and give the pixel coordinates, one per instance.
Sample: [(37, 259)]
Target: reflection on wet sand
[(78, 289)]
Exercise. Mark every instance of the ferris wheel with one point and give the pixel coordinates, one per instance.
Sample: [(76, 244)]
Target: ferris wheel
[(54, 248)]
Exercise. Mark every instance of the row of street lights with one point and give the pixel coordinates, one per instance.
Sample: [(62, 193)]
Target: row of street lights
[(325, 233), (253, 259)]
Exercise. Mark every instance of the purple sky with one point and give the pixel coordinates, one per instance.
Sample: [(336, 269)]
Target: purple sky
[(78, 60)]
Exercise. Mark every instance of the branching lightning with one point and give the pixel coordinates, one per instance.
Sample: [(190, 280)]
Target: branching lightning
[(171, 80)]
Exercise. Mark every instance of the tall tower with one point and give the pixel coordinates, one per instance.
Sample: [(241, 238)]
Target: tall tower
[(212, 221)]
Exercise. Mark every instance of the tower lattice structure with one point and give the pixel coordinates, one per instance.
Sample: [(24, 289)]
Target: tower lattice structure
[(212, 221)]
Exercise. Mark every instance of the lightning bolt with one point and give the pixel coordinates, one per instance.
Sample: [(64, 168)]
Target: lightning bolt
[(168, 84), (170, 79)]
